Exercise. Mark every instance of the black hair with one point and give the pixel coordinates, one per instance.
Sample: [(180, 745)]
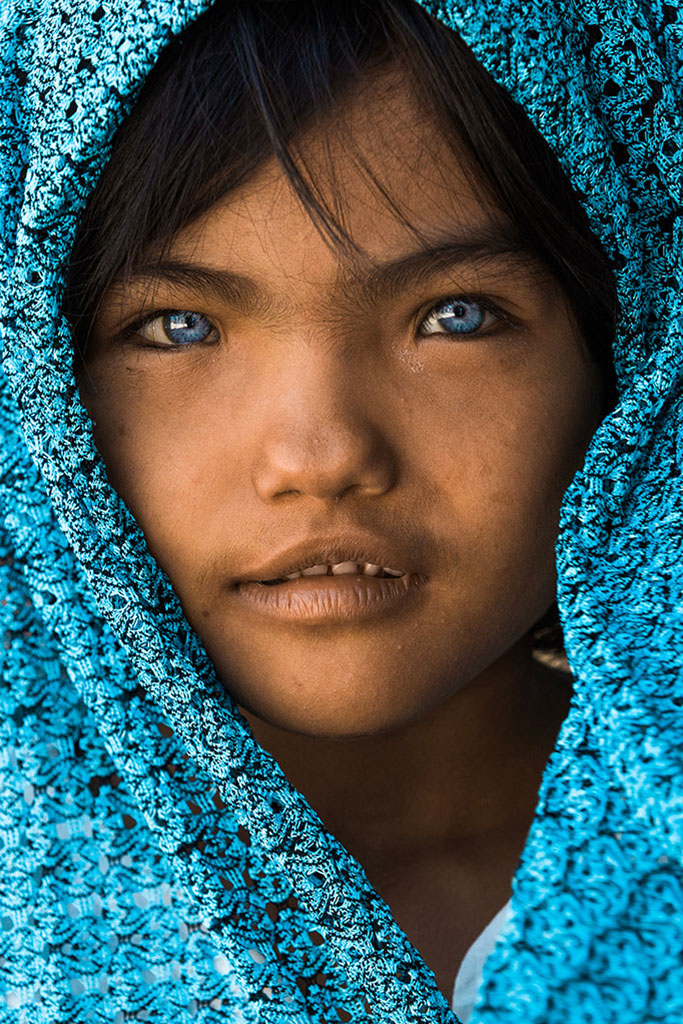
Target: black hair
[(242, 83)]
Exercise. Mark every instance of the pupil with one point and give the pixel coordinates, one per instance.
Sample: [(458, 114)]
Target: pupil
[(461, 317), (185, 327)]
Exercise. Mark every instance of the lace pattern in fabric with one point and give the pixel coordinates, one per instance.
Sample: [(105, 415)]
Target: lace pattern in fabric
[(156, 865)]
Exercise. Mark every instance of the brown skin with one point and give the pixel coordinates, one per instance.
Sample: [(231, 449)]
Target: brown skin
[(318, 408)]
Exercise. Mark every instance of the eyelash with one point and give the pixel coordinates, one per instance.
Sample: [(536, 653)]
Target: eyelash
[(503, 318)]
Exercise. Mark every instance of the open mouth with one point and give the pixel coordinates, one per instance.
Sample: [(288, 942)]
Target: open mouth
[(338, 569), (318, 595)]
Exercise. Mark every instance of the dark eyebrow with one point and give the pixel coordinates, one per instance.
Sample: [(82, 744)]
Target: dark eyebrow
[(235, 289), (361, 279), (392, 276)]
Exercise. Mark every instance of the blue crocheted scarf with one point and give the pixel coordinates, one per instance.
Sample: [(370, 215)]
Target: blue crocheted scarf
[(156, 865)]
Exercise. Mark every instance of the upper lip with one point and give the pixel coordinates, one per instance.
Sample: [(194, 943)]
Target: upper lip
[(331, 551)]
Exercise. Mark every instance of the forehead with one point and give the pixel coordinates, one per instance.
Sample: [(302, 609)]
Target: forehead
[(379, 164)]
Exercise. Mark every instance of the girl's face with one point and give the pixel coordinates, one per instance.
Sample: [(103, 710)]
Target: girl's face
[(266, 404)]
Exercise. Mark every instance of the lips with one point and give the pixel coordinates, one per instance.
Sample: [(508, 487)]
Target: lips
[(358, 555), (328, 581)]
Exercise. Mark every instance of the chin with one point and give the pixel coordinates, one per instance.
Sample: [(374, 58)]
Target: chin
[(345, 707), (355, 683), (324, 727)]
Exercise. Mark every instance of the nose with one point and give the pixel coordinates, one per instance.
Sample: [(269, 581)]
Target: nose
[(322, 438)]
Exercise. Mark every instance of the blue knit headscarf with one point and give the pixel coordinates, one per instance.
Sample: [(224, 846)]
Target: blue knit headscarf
[(155, 864)]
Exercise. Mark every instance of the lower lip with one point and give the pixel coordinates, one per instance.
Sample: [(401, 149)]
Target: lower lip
[(332, 599)]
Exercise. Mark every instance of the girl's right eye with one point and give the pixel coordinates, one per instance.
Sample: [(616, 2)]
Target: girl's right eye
[(177, 328)]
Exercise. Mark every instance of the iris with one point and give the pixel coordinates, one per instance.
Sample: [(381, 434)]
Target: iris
[(177, 328), (182, 327), (456, 316)]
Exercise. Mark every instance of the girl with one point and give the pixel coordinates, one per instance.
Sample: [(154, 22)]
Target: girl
[(308, 354)]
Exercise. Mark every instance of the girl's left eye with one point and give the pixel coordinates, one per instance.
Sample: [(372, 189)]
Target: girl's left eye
[(456, 316), (175, 329)]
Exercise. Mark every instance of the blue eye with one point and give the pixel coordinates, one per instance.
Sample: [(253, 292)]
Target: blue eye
[(177, 328), (456, 316)]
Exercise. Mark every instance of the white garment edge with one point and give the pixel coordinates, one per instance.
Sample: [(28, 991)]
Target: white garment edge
[(468, 978)]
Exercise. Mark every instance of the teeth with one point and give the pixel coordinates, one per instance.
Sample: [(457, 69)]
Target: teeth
[(344, 569), (371, 570)]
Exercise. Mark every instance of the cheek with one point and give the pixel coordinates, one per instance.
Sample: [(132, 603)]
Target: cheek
[(156, 441), (499, 445)]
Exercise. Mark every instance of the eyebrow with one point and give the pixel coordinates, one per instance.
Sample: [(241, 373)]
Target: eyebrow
[(377, 278), (393, 275)]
